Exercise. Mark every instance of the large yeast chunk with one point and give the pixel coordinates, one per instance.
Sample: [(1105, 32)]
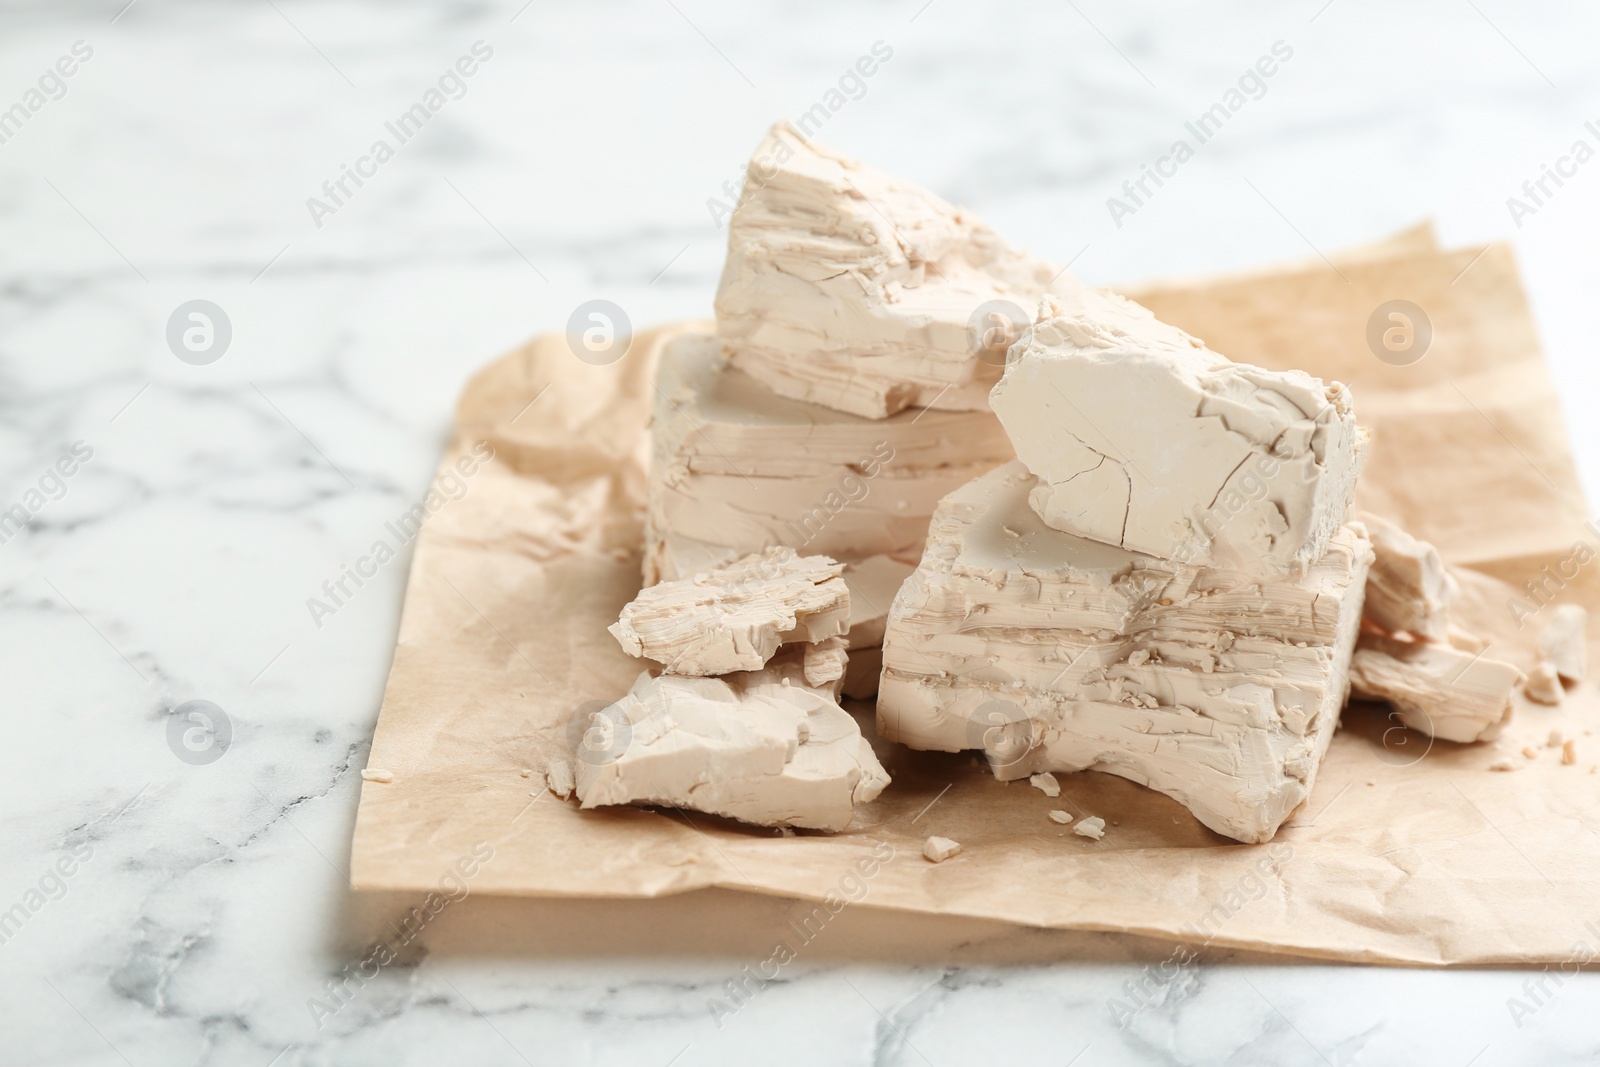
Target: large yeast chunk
[(846, 287), (1142, 437), (1051, 652)]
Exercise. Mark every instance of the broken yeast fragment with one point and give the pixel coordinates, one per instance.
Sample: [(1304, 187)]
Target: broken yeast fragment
[(1046, 783), (734, 617), (849, 288), (1563, 643), (938, 849), (1409, 589), (1142, 437), (1436, 689), (761, 747), (1093, 827), (824, 662), (1543, 685), (735, 469), (1051, 652), (559, 777)]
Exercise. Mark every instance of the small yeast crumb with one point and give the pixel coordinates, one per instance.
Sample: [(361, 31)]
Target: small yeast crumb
[(1092, 827), (1046, 783)]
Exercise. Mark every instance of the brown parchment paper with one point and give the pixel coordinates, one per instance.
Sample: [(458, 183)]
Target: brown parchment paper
[(1408, 851)]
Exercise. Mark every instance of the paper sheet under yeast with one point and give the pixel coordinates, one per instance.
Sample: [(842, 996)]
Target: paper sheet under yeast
[(1406, 852)]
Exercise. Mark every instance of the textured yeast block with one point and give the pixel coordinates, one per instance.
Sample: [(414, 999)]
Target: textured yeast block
[(1051, 652)]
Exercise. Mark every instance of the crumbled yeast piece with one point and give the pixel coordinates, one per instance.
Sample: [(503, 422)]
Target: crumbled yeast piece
[(1569, 752), (938, 849), (1045, 783), (734, 617), (1562, 642), (823, 661), (1093, 827), (846, 287), (1544, 684), (735, 468), (1143, 438), (559, 777), (1062, 817), (1409, 590), (1018, 644), (760, 746), (1436, 689), (1413, 655)]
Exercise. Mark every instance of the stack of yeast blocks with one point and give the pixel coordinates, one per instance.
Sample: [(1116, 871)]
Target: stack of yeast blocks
[(1083, 541), (736, 468), (843, 394), (841, 397), (1162, 586)]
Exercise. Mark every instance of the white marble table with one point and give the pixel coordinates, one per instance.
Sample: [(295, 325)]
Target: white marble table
[(205, 907)]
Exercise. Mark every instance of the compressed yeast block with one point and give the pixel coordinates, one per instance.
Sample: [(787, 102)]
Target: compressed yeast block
[(1052, 652), (852, 289), (1143, 438), (735, 468)]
